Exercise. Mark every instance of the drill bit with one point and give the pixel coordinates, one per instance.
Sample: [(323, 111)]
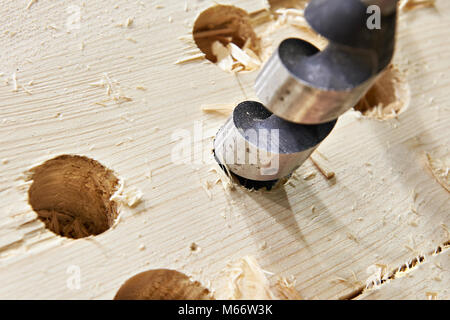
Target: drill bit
[(303, 90)]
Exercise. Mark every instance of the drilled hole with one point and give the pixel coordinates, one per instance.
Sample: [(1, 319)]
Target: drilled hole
[(220, 27), (388, 97), (71, 195), (162, 284)]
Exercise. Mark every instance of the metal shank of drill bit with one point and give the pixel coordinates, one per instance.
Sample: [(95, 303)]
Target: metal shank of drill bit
[(257, 145), (301, 84), (294, 85)]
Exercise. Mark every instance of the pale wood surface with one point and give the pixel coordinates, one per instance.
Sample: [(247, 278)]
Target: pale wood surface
[(361, 217)]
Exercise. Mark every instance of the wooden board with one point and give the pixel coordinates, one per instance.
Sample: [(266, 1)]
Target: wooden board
[(383, 207)]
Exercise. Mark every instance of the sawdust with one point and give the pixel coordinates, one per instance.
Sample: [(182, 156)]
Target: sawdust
[(225, 109), (226, 37), (112, 89), (231, 58)]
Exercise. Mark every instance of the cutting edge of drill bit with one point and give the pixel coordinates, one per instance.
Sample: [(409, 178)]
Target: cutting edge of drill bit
[(256, 145)]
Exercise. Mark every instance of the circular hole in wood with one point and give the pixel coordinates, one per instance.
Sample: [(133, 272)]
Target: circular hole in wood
[(225, 35), (387, 98), (71, 195), (162, 284)]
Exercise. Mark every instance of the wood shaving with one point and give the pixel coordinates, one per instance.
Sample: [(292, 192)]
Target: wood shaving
[(440, 169), (309, 176), (246, 58), (292, 16), (247, 281), (322, 165), (223, 178), (52, 27), (226, 109), (31, 3), (130, 197), (263, 246), (199, 56), (378, 275), (15, 85), (408, 5), (231, 58), (284, 289)]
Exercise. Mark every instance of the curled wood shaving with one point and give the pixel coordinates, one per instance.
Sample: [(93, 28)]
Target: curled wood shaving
[(291, 16), (309, 176), (232, 58), (378, 275), (112, 90), (440, 169), (248, 281), (14, 79), (408, 5), (223, 55), (129, 22), (31, 3), (206, 185), (246, 57), (223, 177)]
